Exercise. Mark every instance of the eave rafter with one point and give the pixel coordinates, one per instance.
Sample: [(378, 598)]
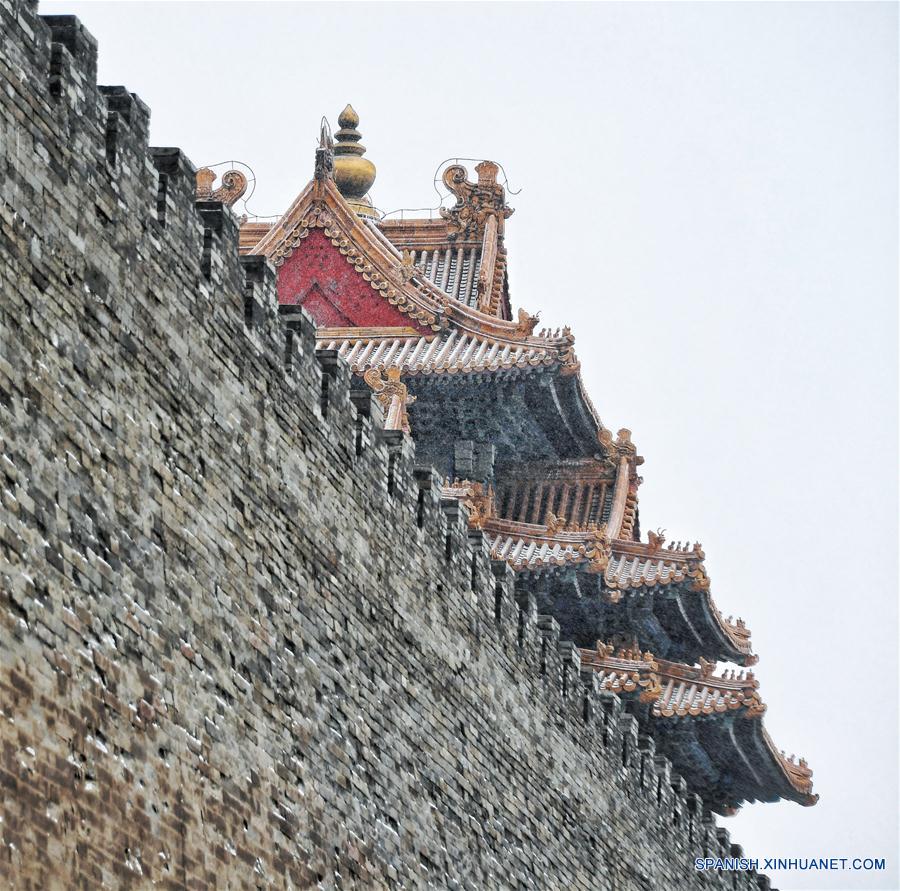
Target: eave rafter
[(574, 492)]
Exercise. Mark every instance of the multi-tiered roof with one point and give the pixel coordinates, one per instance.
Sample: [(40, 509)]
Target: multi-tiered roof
[(421, 310)]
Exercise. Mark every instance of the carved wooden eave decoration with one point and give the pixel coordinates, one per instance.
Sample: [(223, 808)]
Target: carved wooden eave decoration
[(625, 563), (597, 551), (528, 546), (690, 690), (417, 354), (638, 564), (624, 671)]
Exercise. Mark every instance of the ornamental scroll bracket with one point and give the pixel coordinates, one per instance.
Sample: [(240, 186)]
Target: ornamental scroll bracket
[(620, 447), (232, 186), (406, 269), (393, 396), (569, 363), (624, 446), (475, 202)]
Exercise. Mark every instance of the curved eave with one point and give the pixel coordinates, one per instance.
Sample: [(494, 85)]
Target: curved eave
[(709, 725), (550, 397), (773, 774), (703, 629), (685, 607), (729, 761), (592, 416), (797, 774), (689, 602)]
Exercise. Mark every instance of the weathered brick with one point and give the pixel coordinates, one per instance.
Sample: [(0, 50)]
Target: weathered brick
[(269, 671)]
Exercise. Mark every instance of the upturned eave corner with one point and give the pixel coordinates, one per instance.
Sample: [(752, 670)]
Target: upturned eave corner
[(673, 694)]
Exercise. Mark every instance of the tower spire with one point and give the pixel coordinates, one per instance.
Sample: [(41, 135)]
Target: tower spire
[(353, 174)]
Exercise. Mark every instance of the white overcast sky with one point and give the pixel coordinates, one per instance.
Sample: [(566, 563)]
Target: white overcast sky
[(709, 198)]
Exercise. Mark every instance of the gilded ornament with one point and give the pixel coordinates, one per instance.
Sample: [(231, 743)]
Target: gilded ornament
[(392, 395), (475, 202), (354, 175), (233, 185), (526, 323)]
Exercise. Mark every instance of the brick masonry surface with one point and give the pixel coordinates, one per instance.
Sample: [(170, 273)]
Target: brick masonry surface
[(244, 644)]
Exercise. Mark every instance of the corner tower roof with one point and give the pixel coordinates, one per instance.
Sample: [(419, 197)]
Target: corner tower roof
[(420, 308), (398, 316)]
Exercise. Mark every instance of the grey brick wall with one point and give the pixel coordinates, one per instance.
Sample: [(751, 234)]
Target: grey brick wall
[(243, 643)]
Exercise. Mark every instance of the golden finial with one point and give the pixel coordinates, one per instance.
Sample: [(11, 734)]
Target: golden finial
[(353, 174), (348, 119)]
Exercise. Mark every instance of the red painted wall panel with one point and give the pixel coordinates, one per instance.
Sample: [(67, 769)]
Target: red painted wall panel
[(321, 280)]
